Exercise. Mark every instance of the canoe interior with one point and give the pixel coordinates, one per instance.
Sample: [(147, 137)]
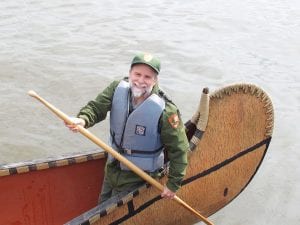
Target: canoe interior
[(50, 192)]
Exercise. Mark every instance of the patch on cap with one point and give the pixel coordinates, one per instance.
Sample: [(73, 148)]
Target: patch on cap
[(148, 57), (174, 120)]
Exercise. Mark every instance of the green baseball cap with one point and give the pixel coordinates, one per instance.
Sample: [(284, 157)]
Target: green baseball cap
[(148, 59)]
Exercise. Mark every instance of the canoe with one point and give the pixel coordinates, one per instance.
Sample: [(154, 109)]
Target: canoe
[(229, 135)]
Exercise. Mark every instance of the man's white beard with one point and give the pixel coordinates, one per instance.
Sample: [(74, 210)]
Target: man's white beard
[(139, 92)]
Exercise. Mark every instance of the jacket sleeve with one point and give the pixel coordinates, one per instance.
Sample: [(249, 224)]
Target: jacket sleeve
[(176, 144), (96, 110)]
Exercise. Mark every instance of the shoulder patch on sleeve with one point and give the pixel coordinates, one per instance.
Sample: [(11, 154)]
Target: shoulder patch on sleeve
[(174, 120)]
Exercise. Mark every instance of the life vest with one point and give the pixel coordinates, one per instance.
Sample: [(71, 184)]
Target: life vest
[(136, 135)]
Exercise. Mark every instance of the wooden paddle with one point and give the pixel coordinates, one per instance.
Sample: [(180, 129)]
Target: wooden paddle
[(115, 154)]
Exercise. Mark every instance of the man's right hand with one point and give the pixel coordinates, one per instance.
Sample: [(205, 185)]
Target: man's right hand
[(75, 123)]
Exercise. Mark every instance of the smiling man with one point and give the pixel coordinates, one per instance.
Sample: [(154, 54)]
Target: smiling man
[(145, 126)]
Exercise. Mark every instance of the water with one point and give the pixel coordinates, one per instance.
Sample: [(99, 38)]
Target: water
[(68, 51)]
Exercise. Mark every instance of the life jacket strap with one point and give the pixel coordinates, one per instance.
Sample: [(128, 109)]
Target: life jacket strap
[(131, 151)]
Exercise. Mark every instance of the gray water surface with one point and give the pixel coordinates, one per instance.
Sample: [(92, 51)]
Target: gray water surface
[(68, 51)]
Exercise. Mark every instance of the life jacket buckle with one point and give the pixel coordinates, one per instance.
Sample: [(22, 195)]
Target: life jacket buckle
[(128, 151)]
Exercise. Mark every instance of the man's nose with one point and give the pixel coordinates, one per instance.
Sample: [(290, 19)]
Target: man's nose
[(141, 80)]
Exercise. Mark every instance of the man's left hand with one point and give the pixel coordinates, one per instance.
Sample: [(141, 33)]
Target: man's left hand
[(167, 193)]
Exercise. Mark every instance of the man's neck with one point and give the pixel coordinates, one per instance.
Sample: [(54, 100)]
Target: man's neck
[(138, 100)]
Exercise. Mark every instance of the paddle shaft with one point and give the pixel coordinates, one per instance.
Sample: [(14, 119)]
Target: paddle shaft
[(115, 154)]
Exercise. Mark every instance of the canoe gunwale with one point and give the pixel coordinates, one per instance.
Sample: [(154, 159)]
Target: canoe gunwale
[(51, 162)]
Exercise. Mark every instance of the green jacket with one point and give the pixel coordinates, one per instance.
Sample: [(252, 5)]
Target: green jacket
[(173, 134)]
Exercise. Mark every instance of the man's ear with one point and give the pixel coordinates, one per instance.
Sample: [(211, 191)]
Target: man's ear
[(156, 78)]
